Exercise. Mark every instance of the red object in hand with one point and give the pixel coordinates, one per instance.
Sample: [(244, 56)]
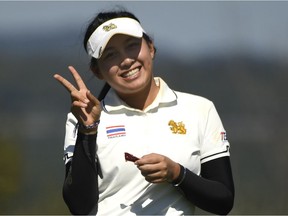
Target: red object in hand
[(130, 157)]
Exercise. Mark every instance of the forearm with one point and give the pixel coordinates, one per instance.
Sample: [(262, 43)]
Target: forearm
[(80, 190), (214, 191)]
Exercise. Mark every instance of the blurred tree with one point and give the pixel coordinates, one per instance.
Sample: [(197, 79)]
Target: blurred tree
[(10, 172)]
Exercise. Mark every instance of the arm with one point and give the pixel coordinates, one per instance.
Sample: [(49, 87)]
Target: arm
[(213, 191), (80, 189)]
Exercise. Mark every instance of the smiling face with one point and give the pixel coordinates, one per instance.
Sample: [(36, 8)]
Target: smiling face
[(127, 65)]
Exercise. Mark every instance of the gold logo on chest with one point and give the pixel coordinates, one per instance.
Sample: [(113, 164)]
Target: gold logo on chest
[(177, 127)]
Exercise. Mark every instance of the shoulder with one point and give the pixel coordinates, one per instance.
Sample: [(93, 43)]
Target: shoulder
[(193, 100), (185, 101)]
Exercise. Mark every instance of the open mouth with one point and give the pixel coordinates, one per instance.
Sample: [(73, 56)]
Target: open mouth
[(131, 73)]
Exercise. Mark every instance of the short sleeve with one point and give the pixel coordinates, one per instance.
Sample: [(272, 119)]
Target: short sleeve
[(215, 143), (70, 137)]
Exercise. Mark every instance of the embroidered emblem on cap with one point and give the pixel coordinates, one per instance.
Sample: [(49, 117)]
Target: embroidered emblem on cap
[(177, 128), (109, 27)]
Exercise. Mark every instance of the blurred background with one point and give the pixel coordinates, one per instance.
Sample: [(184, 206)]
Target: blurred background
[(232, 52)]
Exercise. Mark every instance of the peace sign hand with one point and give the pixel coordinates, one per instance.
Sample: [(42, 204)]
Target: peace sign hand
[(85, 107)]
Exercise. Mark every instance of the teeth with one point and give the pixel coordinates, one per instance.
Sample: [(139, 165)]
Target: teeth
[(130, 73)]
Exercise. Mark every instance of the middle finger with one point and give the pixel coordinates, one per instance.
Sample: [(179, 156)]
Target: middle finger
[(77, 78)]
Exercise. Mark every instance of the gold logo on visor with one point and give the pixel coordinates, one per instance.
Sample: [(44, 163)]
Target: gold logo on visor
[(177, 128), (109, 27)]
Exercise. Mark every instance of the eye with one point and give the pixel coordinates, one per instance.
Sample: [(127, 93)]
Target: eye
[(133, 44), (109, 54)]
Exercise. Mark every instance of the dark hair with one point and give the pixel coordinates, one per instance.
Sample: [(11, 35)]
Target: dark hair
[(94, 24)]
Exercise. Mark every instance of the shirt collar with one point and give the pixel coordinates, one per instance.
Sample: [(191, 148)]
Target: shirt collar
[(166, 97)]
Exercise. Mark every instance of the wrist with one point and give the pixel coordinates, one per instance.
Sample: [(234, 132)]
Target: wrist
[(180, 177), (176, 172), (88, 129)]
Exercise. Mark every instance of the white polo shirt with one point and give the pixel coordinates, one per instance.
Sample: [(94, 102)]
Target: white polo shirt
[(184, 127)]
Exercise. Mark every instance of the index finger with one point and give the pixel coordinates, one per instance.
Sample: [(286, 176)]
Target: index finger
[(77, 77), (149, 159), (65, 83)]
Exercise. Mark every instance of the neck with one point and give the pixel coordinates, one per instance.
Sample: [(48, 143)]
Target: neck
[(142, 99)]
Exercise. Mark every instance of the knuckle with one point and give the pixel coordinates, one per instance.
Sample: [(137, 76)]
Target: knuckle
[(75, 103), (74, 93)]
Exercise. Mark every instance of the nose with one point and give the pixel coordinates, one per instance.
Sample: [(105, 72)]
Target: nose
[(127, 61)]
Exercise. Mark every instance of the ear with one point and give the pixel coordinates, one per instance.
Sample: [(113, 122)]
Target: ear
[(152, 50)]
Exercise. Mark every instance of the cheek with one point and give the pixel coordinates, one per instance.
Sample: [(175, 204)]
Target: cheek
[(108, 71), (146, 57), (146, 61)]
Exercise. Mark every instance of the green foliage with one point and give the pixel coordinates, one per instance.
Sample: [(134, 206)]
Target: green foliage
[(11, 173)]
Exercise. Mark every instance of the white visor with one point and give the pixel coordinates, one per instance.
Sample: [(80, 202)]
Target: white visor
[(101, 36)]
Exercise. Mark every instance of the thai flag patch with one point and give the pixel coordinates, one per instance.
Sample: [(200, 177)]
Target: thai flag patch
[(115, 131)]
